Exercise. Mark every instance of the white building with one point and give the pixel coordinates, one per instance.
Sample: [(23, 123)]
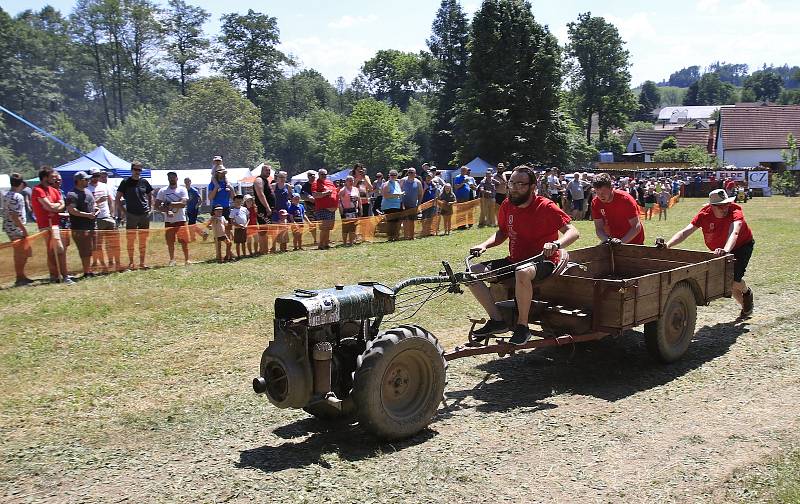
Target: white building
[(755, 135)]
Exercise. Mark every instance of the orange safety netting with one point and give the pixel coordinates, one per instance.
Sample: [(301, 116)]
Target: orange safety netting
[(118, 248)]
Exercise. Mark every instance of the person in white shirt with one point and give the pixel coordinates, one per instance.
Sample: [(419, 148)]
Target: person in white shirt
[(171, 202), (106, 225), (240, 215)]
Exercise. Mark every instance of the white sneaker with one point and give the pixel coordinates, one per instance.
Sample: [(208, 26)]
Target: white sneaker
[(172, 262)]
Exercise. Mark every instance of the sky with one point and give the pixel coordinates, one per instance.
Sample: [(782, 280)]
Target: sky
[(335, 37)]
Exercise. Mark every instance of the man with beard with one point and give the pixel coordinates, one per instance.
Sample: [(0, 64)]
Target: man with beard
[(531, 223), (615, 213)]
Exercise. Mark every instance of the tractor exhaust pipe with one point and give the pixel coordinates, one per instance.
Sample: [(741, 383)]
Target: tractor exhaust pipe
[(323, 355), (259, 385)]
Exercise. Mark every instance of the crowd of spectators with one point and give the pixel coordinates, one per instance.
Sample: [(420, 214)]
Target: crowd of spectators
[(276, 212)]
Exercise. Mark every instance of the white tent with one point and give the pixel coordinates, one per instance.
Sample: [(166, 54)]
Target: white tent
[(200, 177), (5, 182), (302, 177)]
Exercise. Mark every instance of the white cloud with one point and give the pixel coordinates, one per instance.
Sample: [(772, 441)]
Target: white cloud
[(331, 57), (350, 21), (633, 27), (707, 6)]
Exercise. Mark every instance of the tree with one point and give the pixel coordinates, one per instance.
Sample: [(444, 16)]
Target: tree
[(143, 136), (789, 97), (371, 135), (729, 72), (649, 100), (684, 77), (212, 119), (694, 155), (511, 100), (600, 73), (186, 44), (791, 154), (709, 90), (292, 142), (448, 46), (416, 125), (394, 76), (249, 51), (306, 91), (668, 143), (765, 85)]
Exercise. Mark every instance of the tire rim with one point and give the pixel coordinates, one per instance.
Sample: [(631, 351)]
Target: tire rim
[(406, 385), (677, 322)]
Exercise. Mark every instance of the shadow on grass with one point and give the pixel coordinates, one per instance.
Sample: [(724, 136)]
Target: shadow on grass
[(610, 369), (347, 440)]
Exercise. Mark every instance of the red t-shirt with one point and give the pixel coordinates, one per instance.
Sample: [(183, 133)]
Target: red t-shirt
[(252, 216), (44, 218), (329, 202), (617, 214), (730, 186), (716, 231), (529, 228)]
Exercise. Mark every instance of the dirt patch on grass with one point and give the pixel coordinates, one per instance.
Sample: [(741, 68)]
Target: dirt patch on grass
[(598, 422)]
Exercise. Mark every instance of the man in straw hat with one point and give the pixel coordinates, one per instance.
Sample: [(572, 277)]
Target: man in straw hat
[(725, 232)]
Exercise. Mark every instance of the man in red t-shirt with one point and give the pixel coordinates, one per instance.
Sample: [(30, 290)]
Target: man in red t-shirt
[(615, 213), (326, 202), (725, 232), (46, 203), (531, 223)]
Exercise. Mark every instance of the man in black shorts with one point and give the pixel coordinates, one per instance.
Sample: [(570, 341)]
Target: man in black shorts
[(724, 232), (531, 223), (82, 215)]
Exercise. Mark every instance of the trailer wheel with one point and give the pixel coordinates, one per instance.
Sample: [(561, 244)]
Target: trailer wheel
[(399, 382), (668, 337)]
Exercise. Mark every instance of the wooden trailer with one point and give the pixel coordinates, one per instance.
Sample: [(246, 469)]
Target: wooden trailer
[(611, 288)]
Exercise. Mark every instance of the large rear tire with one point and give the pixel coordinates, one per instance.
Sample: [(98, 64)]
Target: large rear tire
[(399, 382), (668, 338)]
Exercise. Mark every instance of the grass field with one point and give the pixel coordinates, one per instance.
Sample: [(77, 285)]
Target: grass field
[(137, 386)]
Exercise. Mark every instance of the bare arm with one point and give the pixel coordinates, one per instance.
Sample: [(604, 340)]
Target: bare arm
[(636, 227), (681, 235), (50, 206), (259, 188), (599, 231), (733, 236)]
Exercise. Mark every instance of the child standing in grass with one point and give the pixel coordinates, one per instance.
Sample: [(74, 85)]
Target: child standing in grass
[(218, 225), (282, 237), (297, 216), (663, 202), (239, 218), (446, 200), (252, 225)]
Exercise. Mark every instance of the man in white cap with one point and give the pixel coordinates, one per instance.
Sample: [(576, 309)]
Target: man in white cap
[(725, 232)]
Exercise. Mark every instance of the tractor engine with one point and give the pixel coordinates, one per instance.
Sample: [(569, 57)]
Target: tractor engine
[(318, 336)]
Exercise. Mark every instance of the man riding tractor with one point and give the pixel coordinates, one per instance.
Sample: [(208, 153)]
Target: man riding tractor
[(531, 223)]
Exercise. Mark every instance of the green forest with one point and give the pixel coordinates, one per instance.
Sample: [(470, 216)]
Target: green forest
[(148, 83)]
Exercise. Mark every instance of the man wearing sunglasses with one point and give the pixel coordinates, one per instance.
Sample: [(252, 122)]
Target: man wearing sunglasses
[(725, 232), (531, 223)]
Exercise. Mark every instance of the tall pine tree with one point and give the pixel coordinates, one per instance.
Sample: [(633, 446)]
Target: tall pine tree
[(511, 100), (599, 72), (448, 45)]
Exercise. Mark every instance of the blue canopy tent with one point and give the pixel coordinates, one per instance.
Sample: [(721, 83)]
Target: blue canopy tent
[(100, 157), (478, 167), (340, 175)]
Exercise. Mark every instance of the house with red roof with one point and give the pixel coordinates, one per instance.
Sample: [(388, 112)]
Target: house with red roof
[(750, 135)]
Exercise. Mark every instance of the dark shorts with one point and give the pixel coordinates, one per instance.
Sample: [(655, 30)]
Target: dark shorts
[(742, 255), (172, 230), (106, 224), (134, 221), (577, 204), (240, 235), (326, 218), (85, 241), (192, 217), (222, 238), (499, 198), (544, 268)]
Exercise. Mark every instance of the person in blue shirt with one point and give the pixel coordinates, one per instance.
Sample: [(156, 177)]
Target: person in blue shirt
[(412, 194), (392, 196), (220, 192), (463, 185)]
